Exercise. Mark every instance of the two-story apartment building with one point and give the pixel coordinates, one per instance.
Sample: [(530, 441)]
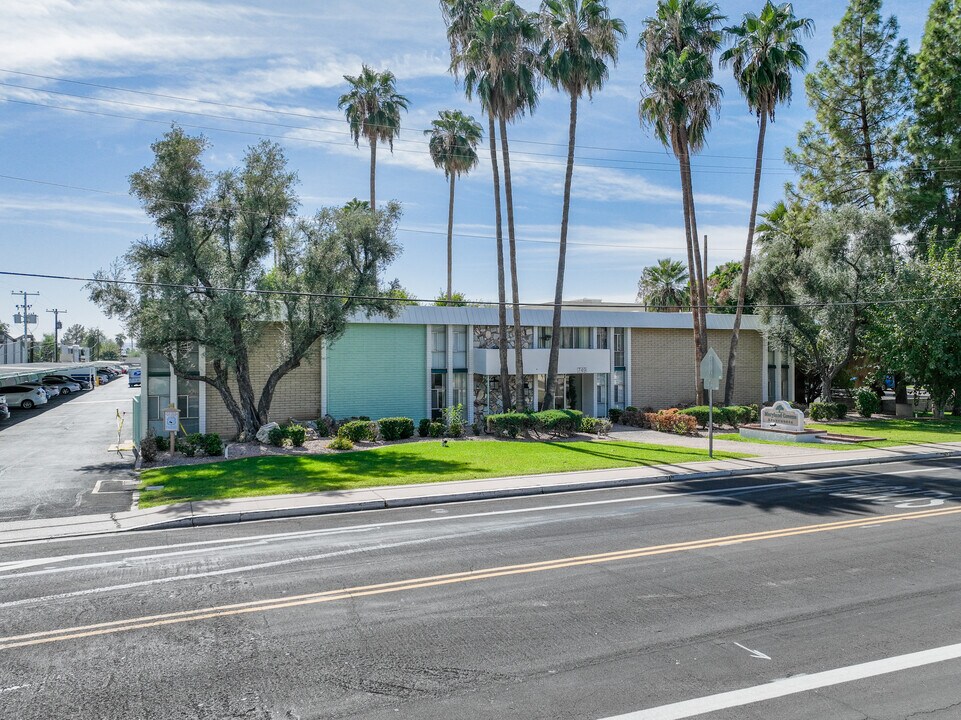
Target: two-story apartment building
[(427, 358)]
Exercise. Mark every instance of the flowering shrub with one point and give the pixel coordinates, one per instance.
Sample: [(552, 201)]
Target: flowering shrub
[(672, 420)]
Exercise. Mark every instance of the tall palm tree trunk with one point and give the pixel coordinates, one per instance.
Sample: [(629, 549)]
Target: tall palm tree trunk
[(519, 400), (745, 267), (373, 171), (501, 293), (692, 281), (561, 260), (450, 240)]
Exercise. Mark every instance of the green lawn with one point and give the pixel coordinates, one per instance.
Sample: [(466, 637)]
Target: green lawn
[(409, 463), (894, 432)]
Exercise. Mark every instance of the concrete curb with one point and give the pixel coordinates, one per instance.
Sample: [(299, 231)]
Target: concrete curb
[(189, 515), (530, 490)]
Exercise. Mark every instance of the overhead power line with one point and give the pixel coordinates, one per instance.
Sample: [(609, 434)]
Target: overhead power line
[(199, 288)]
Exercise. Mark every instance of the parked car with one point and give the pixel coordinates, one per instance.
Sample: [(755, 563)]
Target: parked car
[(103, 376), (84, 383), (4, 408), (65, 387), (24, 396), (50, 390)]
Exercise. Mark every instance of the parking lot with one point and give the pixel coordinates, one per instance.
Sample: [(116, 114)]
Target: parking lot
[(54, 460)]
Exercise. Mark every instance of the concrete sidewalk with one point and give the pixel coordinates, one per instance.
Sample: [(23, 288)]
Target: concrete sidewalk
[(212, 512)]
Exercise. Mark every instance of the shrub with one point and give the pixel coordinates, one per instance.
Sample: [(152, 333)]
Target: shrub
[(358, 430), (615, 415), (755, 412), (148, 447), (326, 426), (840, 410), (454, 420), (423, 428), (276, 436), (631, 408), (635, 418), (599, 426), (735, 415), (436, 429), (819, 411), (558, 422), (510, 424), (211, 444), (189, 444), (588, 424), (163, 444), (672, 421), (866, 402), (396, 428), (297, 434), (340, 443), (701, 414)]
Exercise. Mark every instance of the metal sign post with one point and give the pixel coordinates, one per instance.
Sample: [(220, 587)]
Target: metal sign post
[(711, 373)]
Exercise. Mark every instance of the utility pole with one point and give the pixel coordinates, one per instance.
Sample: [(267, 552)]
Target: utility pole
[(57, 312), (25, 307)]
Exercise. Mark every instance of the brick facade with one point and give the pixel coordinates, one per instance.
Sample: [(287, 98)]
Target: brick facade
[(662, 366), (297, 395)]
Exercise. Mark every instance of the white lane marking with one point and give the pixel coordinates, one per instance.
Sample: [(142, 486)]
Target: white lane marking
[(205, 545), (754, 653), (794, 685), (225, 571), (13, 687)]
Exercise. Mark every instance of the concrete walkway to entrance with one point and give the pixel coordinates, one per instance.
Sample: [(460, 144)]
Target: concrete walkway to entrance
[(211, 512)]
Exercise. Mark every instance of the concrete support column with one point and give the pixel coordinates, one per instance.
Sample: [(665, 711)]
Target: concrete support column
[(449, 390), (790, 378), (628, 370), (470, 374), (764, 369), (323, 377), (778, 361)]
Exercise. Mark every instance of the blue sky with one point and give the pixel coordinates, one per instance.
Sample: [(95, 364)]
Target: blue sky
[(291, 56)]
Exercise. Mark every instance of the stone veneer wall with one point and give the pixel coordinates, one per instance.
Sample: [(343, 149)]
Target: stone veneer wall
[(297, 395), (662, 366), (487, 337), (480, 394)]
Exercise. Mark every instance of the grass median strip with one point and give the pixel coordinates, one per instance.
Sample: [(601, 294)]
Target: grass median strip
[(405, 464), (894, 432)]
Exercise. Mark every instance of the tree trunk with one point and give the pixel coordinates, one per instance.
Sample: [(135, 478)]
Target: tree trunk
[(501, 292), (900, 388), (450, 241), (248, 404), (519, 400), (696, 245), (693, 281), (745, 267), (561, 259), (373, 171)]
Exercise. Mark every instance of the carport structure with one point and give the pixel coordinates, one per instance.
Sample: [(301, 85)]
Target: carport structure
[(33, 372)]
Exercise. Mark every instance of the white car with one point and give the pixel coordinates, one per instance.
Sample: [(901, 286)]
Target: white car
[(63, 387), (50, 390), (24, 396)]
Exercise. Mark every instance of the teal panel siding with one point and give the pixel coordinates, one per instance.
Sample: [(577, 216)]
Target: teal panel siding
[(378, 371)]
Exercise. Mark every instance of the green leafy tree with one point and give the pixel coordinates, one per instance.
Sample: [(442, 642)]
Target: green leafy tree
[(723, 286), (463, 18), (48, 351), (94, 338), (74, 334), (109, 350), (664, 286), (453, 148), (580, 39), (680, 99), (399, 292), (457, 299), (860, 94), (502, 63), (372, 106), (930, 200), (815, 279), (919, 335), (206, 278), (764, 55)]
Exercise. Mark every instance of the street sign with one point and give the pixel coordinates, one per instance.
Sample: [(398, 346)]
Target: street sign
[(711, 370), (171, 420)]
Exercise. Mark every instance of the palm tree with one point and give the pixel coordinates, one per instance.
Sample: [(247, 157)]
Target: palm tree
[(580, 39), (681, 98), (765, 53), (502, 64), (372, 107), (664, 286), (453, 148), (462, 17)]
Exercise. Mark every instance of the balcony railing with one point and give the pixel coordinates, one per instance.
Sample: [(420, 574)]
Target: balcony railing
[(569, 362)]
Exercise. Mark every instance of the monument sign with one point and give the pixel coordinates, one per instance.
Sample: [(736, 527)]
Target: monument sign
[(781, 416)]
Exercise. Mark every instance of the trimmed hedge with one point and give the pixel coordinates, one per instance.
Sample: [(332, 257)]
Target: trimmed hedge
[(635, 418), (509, 424), (558, 422), (828, 411), (423, 427), (866, 402), (396, 428), (358, 430), (614, 414)]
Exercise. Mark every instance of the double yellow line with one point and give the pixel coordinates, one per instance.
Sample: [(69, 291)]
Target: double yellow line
[(150, 621)]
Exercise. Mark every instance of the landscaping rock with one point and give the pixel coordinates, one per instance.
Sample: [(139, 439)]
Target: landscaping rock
[(262, 434)]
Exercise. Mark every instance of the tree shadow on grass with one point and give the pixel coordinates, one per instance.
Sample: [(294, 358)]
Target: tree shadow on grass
[(665, 453)]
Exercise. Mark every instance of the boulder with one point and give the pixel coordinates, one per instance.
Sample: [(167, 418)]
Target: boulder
[(263, 433)]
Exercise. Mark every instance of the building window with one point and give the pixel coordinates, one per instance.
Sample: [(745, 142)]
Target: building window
[(438, 395), (619, 347), (460, 347), (618, 386), (602, 338), (459, 389), (438, 347), (544, 337)]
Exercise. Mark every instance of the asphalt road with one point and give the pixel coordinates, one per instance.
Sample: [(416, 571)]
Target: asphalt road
[(53, 456), (671, 601)]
